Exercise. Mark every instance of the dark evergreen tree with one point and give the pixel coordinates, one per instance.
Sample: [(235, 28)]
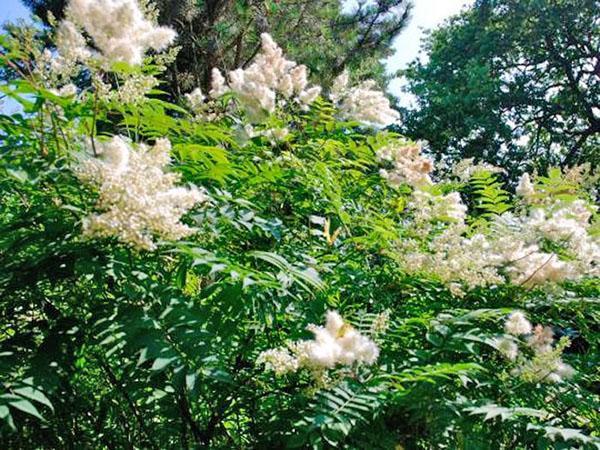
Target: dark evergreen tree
[(318, 33)]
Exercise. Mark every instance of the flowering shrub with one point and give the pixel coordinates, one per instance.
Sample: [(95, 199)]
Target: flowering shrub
[(165, 265)]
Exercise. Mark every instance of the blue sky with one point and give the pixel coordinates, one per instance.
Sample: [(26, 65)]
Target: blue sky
[(11, 10), (426, 14)]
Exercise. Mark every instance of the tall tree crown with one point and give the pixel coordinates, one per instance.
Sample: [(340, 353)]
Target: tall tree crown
[(511, 82)]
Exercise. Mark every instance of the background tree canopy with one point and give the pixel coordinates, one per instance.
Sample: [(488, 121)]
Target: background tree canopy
[(512, 82), (225, 34)]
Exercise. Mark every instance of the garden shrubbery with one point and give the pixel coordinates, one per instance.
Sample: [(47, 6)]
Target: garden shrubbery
[(264, 266)]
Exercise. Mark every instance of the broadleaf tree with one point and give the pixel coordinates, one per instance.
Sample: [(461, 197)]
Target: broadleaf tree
[(512, 82)]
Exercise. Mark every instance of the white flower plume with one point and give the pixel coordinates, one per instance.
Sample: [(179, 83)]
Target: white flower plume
[(363, 103), (408, 165), (271, 78), (138, 199), (118, 29), (337, 343)]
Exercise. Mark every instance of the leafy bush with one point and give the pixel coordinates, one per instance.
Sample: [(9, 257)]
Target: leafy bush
[(123, 328)]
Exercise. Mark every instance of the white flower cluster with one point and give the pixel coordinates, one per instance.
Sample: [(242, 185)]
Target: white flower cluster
[(363, 103), (138, 198), (546, 364), (451, 256), (118, 28), (381, 323), (507, 347), (517, 324), (68, 90), (274, 135), (521, 248), (408, 165), (564, 224), (269, 76), (428, 207), (337, 343), (272, 80), (196, 99), (456, 259), (525, 187), (467, 167), (133, 90), (205, 108), (279, 360), (529, 267), (71, 45), (218, 84)]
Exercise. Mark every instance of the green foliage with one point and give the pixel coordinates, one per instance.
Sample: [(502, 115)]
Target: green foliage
[(334, 413), (489, 197)]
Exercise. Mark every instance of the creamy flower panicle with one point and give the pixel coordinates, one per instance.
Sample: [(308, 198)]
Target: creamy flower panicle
[(195, 99), (71, 45), (507, 347), (529, 267), (518, 247), (138, 198), (218, 84), (428, 207), (118, 29), (456, 259), (362, 103), (68, 90), (541, 338), (517, 324), (335, 344), (407, 165), (525, 187), (453, 256), (565, 225), (279, 360), (569, 225), (467, 167), (97, 34), (270, 80), (273, 81)]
